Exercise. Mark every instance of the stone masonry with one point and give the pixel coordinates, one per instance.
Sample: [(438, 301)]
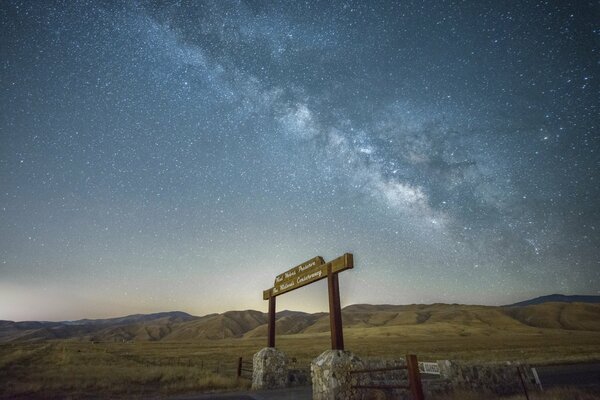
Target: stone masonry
[(269, 369), (497, 378), (331, 378)]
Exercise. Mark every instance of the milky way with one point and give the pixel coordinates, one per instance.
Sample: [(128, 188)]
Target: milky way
[(179, 156)]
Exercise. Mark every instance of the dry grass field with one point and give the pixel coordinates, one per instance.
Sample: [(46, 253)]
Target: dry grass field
[(83, 369)]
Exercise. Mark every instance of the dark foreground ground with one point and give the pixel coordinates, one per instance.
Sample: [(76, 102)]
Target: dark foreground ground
[(583, 376), (300, 393), (579, 375)]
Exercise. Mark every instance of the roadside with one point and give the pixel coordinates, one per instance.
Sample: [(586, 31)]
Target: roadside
[(579, 375), (551, 376), (297, 393)]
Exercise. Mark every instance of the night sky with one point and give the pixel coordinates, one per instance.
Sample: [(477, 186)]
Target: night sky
[(163, 156)]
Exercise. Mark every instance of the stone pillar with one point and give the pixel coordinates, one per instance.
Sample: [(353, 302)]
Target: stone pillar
[(269, 369), (331, 378)]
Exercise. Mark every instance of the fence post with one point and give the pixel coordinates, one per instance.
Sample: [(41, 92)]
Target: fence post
[(522, 382), (414, 377), (239, 368), (537, 379)]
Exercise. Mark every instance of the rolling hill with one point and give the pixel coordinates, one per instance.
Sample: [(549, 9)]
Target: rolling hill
[(557, 298), (449, 318)]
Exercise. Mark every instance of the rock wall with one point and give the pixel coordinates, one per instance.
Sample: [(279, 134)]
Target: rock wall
[(269, 369), (399, 376), (331, 377), (394, 377), (497, 378)]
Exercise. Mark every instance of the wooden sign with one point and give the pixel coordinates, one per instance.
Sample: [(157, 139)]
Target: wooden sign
[(311, 271), (298, 276), (308, 272)]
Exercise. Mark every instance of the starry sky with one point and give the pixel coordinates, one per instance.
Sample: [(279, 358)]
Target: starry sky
[(178, 155)]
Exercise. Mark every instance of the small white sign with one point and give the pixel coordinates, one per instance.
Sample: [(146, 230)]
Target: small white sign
[(429, 368)]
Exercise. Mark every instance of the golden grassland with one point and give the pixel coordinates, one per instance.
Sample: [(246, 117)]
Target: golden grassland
[(56, 368), (145, 369)]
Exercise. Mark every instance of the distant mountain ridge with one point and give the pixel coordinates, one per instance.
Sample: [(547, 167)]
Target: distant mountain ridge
[(558, 298), (134, 318), (545, 313), (42, 330)]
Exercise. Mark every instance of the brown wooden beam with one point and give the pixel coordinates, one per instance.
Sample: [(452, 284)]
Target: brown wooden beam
[(335, 311), (522, 383), (239, 367), (414, 377), (271, 333)]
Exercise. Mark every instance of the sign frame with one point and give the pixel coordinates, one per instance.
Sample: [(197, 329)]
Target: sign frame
[(304, 274)]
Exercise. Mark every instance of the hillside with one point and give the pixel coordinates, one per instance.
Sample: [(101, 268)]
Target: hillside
[(152, 326), (557, 298), (570, 316), (448, 318)]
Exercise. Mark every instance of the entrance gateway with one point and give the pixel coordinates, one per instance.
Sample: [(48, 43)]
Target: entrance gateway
[(330, 372), (308, 272), (336, 373)]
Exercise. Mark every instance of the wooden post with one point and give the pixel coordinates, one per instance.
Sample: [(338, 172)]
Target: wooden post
[(414, 377), (522, 383), (271, 332), (335, 311), (239, 367)]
